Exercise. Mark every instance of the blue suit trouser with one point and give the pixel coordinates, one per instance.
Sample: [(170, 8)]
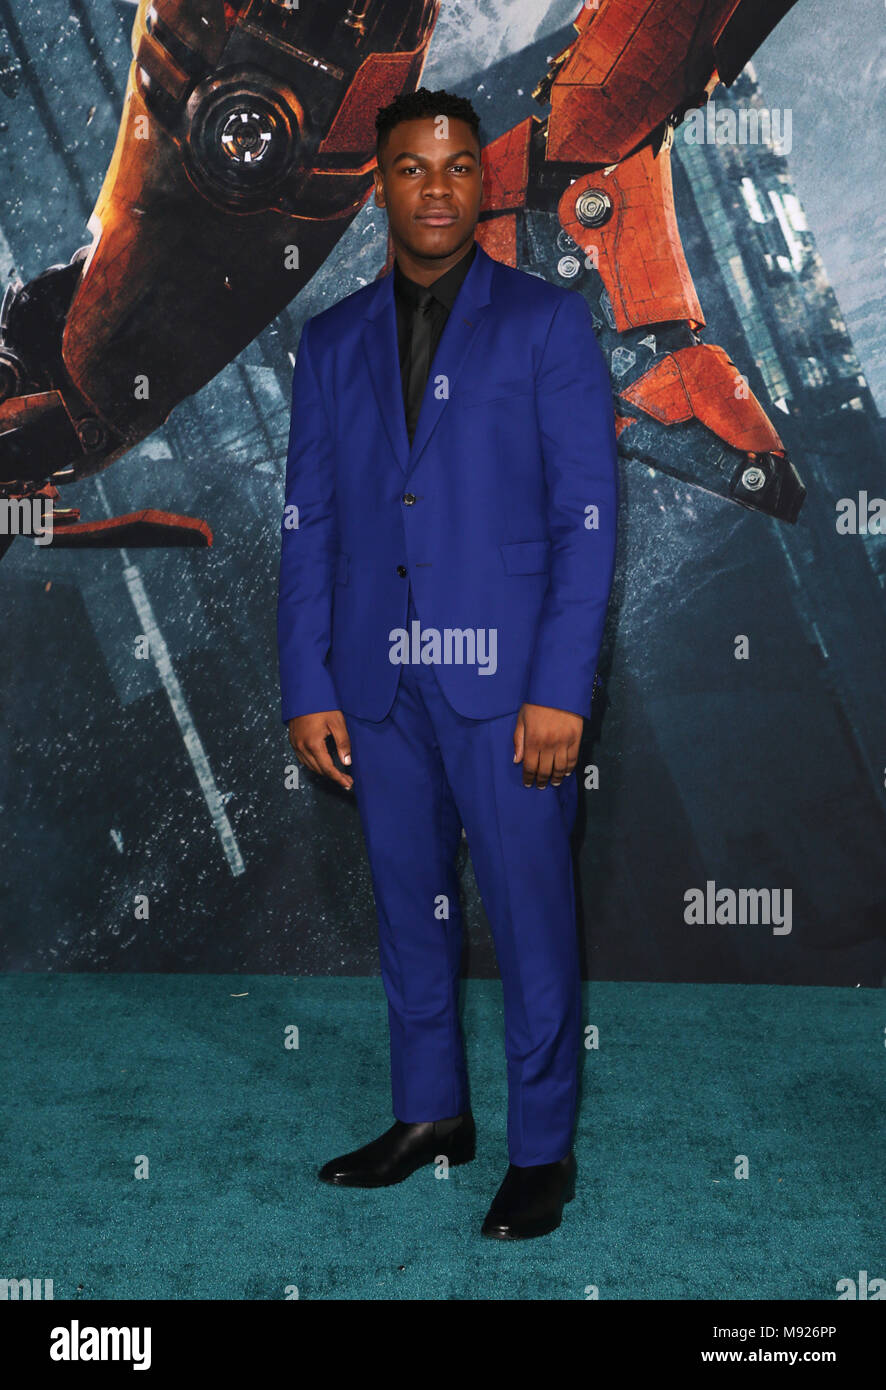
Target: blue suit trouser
[(420, 774)]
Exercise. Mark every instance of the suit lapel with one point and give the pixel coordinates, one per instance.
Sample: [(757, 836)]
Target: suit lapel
[(380, 345)]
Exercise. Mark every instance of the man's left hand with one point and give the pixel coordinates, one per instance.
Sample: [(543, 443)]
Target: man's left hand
[(546, 741)]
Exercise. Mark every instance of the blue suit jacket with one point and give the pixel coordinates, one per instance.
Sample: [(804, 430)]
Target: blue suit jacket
[(502, 514)]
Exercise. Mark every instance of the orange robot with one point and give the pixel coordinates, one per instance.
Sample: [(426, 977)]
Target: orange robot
[(246, 148)]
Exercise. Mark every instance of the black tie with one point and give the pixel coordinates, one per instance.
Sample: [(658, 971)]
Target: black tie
[(419, 359)]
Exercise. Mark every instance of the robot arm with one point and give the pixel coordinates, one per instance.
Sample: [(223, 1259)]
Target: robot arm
[(246, 148), (244, 151)]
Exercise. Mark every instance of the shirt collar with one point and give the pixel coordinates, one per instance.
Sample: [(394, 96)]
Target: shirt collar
[(444, 288)]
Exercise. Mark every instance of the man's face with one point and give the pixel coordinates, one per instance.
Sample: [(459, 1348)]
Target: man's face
[(430, 181)]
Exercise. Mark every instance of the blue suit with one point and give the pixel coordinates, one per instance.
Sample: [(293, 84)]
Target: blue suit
[(487, 548)]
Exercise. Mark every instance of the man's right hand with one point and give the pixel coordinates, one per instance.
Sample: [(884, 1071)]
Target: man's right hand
[(308, 734)]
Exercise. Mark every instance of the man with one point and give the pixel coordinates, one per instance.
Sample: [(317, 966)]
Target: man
[(447, 554)]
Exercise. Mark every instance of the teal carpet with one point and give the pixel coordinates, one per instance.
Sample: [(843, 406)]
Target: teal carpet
[(100, 1069)]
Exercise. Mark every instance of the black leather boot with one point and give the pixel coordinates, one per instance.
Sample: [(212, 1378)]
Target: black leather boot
[(402, 1149), (530, 1200)]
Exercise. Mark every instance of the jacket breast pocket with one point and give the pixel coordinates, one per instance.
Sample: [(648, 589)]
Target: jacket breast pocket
[(341, 568), (526, 557), (487, 393)]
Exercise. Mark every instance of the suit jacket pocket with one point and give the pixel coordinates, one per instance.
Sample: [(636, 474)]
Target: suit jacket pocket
[(486, 393), (526, 557)]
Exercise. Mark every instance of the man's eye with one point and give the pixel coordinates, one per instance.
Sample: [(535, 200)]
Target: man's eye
[(417, 168)]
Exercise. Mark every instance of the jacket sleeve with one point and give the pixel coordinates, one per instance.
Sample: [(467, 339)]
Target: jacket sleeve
[(577, 427), (308, 546)]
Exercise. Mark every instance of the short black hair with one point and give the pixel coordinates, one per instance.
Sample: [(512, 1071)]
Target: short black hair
[(413, 106)]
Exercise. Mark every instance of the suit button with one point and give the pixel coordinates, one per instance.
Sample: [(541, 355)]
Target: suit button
[(409, 498), (401, 570)]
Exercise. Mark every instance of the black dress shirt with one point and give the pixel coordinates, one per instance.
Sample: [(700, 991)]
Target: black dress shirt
[(417, 347)]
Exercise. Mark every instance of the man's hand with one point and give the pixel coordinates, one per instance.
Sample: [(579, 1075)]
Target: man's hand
[(546, 741), (308, 734)]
